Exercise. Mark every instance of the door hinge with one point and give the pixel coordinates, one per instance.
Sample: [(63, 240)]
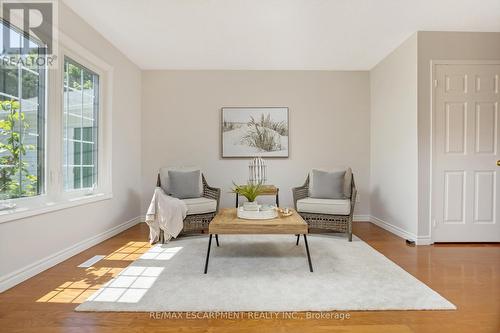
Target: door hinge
[(435, 83), (433, 223)]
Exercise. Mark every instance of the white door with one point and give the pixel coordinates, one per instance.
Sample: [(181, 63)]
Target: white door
[(466, 184)]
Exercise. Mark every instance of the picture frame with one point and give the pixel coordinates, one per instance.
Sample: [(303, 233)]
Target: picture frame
[(254, 131)]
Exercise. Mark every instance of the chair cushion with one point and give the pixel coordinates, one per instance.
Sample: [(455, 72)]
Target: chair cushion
[(200, 205), (346, 184), (184, 184), (327, 185), (324, 206), (165, 180)]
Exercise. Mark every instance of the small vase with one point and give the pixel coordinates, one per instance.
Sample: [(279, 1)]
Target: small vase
[(252, 206)]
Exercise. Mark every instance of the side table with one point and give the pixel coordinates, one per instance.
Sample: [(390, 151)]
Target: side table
[(266, 190)]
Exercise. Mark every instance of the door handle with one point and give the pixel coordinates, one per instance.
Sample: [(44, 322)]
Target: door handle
[(498, 163)]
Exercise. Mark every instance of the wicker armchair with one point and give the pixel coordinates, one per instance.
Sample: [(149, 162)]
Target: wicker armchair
[(338, 223), (198, 222)]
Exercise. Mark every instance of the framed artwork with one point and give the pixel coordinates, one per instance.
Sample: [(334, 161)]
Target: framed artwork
[(254, 131)]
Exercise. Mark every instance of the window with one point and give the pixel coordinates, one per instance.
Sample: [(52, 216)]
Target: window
[(22, 114), (81, 110), (55, 127)]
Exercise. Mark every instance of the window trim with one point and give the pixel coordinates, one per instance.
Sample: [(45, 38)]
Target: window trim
[(83, 191), (54, 197), (105, 72), (47, 207)]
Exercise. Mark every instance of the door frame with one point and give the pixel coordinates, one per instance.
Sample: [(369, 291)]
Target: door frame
[(433, 64)]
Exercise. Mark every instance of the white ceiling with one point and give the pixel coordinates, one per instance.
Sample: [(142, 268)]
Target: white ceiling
[(275, 34)]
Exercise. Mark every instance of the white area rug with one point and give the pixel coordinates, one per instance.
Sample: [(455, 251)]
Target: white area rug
[(264, 273)]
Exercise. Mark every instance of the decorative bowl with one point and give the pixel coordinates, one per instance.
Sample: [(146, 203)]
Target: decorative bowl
[(284, 212)]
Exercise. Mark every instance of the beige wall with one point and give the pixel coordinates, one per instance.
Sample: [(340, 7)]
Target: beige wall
[(393, 167), (26, 243), (329, 124), (442, 46)]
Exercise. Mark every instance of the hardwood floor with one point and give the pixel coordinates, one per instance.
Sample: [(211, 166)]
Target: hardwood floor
[(467, 275)]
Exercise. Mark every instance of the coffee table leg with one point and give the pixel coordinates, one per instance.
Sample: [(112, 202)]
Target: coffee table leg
[(208, 253), (308, 255), (217, 240), (298, 237)]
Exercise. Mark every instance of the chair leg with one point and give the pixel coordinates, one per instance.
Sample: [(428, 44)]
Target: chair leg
[(298, 238), (349, 235), (161, 238), (217, 240)]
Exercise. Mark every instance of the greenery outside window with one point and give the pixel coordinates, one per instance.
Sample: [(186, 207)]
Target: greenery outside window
[(22, 122)]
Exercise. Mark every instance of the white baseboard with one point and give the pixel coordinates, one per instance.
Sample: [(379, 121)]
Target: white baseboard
[(12, 279), (424, 240), (393, 229), (361, 218)]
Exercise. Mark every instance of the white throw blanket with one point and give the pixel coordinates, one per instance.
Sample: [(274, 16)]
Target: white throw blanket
[(165, 213)]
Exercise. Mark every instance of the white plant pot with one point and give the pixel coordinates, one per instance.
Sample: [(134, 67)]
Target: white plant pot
[(251, 206)]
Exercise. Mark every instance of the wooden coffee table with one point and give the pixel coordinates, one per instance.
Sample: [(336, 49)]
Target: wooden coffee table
[(226, 222)]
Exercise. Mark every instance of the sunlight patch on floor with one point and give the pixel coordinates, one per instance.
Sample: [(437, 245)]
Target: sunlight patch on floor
[(158, 252), (130, 251), (91, 262), (82, 287), (129, 286), (79, 290)]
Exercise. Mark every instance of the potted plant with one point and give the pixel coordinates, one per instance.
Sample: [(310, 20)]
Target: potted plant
[(250, 191)]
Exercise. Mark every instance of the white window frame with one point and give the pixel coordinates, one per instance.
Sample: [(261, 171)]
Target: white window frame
[(84, 190), (101, 156), (54, 196)]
